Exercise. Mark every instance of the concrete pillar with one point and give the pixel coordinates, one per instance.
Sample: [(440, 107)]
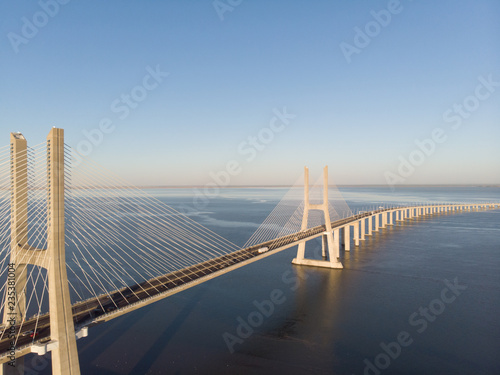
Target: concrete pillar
[(18, 238), (377, 218), (391, 214), (384, 219), (334, 255), (347, 239), (363, 229), (370, 225), (356, 234), (19, 224), (65, 356)]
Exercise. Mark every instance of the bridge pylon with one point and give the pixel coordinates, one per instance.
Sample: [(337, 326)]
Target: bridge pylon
[(330, 244), (53, 259)]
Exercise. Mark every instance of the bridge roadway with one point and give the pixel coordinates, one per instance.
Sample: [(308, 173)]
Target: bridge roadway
[(109, 306)]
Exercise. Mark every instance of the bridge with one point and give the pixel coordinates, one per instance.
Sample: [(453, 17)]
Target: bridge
[(98, 249)]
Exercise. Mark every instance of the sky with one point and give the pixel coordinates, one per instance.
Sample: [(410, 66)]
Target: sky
[(240, 92)]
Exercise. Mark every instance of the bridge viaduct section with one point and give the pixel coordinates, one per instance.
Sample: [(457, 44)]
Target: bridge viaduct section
[(365, 223)]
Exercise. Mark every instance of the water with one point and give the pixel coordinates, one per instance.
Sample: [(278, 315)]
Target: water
[(393, 292)]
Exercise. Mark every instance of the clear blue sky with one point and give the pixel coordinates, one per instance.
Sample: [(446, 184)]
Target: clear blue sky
[(229, 70)]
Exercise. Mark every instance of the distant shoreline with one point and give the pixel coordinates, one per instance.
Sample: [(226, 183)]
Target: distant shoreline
[(289, 186)]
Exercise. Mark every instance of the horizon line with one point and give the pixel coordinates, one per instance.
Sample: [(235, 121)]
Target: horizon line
[(330, 185)]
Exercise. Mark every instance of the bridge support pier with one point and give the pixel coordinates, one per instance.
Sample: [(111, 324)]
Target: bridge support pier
[(370, 225), (363, 229), (62, 331), (330, 241), (347, 238), (356, 233)]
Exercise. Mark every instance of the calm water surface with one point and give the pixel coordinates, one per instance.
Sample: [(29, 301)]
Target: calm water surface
[(396, 285)]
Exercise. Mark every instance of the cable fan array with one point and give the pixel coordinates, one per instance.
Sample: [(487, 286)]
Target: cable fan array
[(33, 295), (286, 217), (118, 236)]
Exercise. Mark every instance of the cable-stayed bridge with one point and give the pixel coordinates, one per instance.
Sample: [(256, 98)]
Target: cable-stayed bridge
[(79, 246)]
